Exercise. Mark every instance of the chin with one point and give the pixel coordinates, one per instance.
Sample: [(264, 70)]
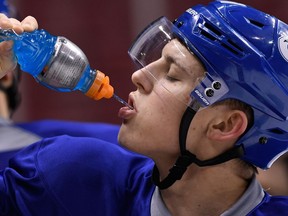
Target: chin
[(125, 142), (122, 140)]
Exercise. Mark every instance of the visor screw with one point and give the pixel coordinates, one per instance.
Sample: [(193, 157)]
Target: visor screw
[(263, 140), (209, 92), (180, 24), (63, 40), (216, 85)]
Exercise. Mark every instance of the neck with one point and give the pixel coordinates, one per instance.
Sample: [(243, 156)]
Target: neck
[(205, 191)]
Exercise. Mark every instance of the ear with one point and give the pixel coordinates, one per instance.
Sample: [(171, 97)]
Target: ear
[(228, 126), (7, 80)]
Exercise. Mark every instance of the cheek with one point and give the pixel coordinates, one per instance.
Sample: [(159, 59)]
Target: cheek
[(155, 127), (164, 112), (159, 132), (166, 107), (159, 120)]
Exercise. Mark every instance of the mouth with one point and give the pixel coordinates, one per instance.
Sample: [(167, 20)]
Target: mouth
[(120, 100), (128, 111), (130, 103)]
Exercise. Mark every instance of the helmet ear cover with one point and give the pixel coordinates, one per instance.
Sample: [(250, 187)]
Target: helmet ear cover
[(242, 49)]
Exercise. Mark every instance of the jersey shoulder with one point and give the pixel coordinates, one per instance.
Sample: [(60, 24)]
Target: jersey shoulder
[(271, 205)]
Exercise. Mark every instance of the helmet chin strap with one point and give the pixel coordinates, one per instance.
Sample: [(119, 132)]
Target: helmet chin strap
[(186, 158)]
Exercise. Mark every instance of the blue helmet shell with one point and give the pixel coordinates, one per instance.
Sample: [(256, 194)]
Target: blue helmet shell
[(246, 50)]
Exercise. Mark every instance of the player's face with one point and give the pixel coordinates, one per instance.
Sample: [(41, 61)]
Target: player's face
[(163, 89)]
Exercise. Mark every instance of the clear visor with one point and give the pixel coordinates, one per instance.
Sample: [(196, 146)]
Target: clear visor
[(162, 53)]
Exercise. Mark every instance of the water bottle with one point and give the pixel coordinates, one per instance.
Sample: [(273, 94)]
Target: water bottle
[(57, 63)]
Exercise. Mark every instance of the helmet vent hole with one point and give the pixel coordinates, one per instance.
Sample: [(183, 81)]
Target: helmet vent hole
[(207, 35), (213, 34), (277, 131), (213, 29), (256, 23), (230, 49), (234, 45)]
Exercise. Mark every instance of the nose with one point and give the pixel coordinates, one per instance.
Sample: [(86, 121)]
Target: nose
[(142, 80)]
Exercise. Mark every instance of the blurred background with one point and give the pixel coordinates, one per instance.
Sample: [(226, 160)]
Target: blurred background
[(104, 30)]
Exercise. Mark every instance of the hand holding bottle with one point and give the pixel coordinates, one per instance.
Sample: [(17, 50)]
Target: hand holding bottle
[(7, 59), (54, 61)]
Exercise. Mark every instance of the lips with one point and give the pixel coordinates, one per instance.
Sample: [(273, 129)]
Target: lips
[(125, 112)]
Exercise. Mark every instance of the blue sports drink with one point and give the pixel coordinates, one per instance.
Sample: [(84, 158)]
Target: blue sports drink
[(57, 63)]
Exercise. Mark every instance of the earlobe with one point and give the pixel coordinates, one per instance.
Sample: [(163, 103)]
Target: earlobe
[(231, 126)]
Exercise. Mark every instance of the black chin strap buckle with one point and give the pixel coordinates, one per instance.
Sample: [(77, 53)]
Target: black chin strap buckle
[(181, 165), (175, 173)]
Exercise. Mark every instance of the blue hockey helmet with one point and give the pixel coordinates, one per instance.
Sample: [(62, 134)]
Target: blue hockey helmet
[(246, 51)]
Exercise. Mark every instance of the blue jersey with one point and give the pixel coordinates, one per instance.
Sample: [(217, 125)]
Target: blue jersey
[(76, 176), (86, 176), (16, 136), (50, 128)]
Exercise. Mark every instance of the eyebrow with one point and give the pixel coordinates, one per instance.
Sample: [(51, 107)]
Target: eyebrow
[(172, 60)]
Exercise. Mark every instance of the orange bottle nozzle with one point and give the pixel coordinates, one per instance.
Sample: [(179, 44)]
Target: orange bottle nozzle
[(100, 87)]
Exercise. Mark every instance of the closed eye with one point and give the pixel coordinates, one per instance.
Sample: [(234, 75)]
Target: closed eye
[(171, 79)]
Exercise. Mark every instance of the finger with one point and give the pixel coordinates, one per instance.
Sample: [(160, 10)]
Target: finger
[(16, 25), (29, 23), (5, 22)]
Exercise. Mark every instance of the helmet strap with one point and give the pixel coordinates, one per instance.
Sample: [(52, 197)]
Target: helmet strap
[(186, 158)]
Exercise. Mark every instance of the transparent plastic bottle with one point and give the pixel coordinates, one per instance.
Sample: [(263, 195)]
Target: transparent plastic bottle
[(57, 63)]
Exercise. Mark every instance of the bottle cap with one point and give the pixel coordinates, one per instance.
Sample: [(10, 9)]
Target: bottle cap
[(100, 87)]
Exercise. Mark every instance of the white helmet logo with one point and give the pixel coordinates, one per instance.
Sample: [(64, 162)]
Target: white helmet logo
[(283, 46)]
